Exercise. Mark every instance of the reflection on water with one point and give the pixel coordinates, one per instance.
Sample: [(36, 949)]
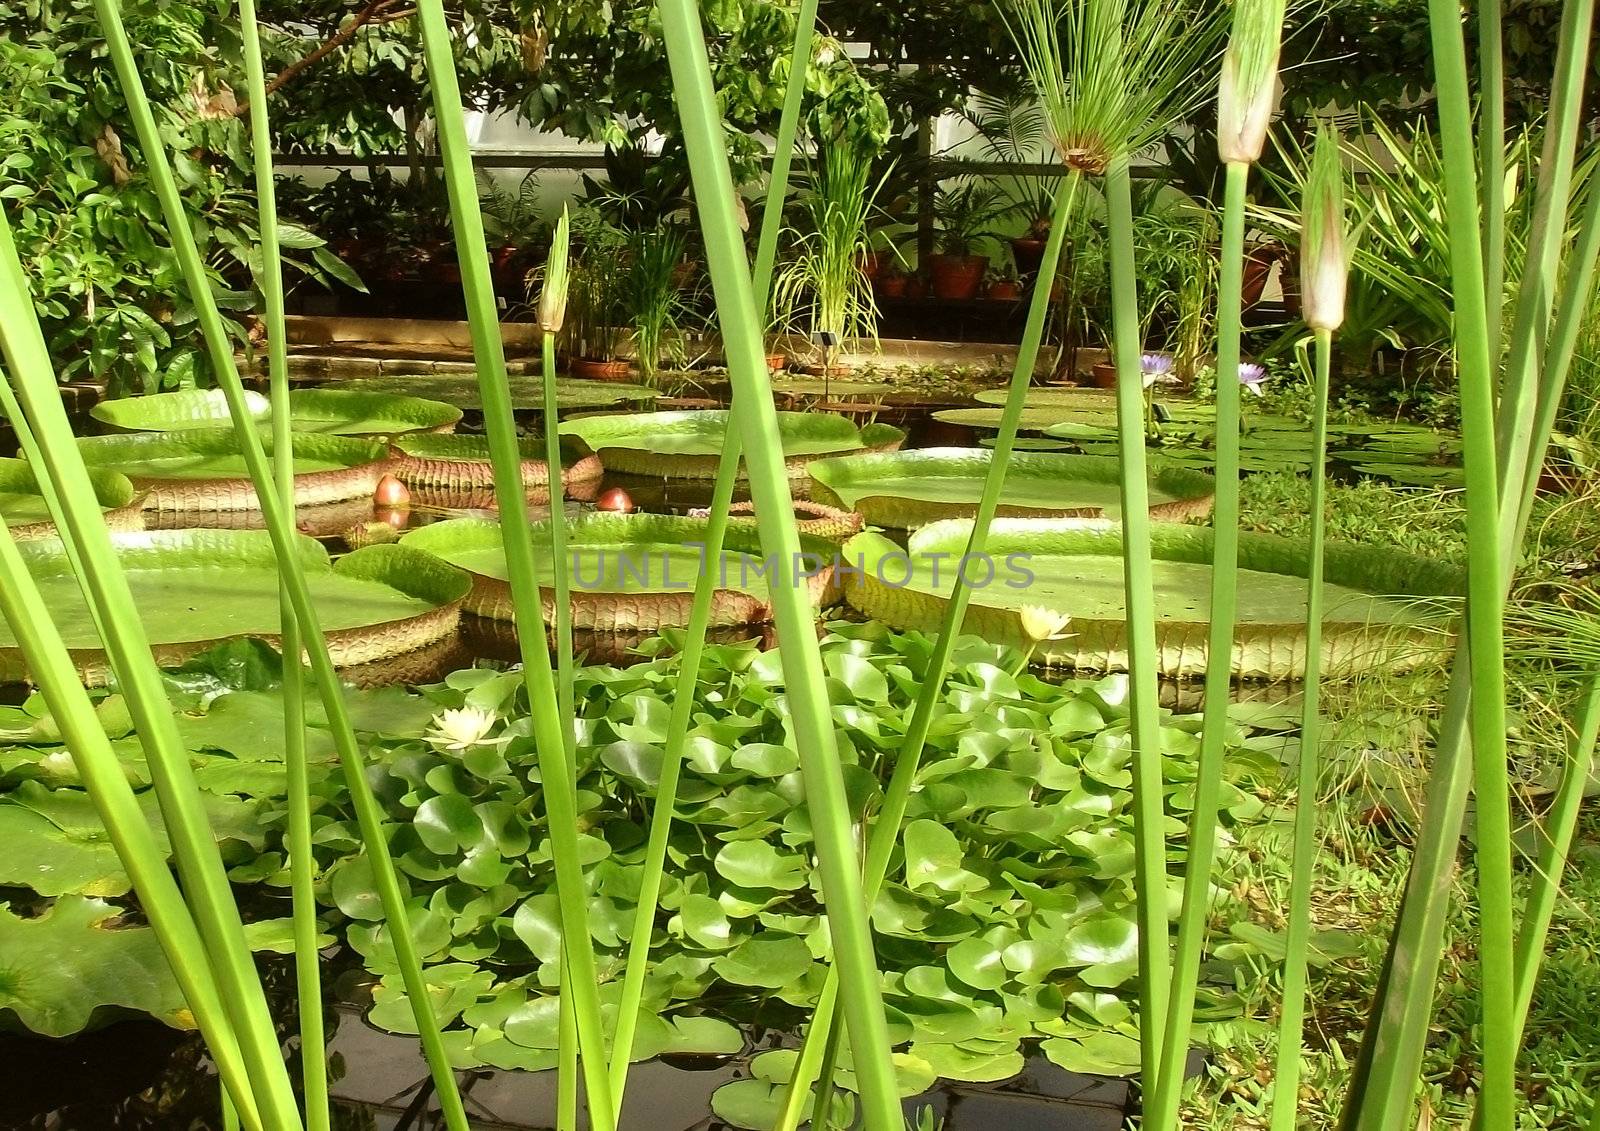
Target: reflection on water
[(142, 1076)]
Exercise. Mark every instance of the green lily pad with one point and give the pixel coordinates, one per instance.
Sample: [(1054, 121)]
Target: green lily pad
[(913, 488), (203, 471), (770, 963), (57, 845), (334, 412), (23, 509), (1097, 1054), (757, 864), (71, 965), (194, 588), (755, 1104), (688, 445), (527, 393), (1382, 609), (628, 572)]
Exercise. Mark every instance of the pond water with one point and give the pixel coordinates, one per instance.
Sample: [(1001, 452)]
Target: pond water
[(143, 1076)]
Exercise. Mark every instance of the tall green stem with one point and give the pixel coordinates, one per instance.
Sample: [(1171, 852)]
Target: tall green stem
[(280, 528), (1286, 1086), (1536, 292), (783, 152), (302, 862), (1149, 805), (1163, 1112), (885, 834), (793, 613), (1383, 1083), (1492, 147), (51, 668), (694, 640), (1475, 355), (549, 729), (127, 646), (561, 590)]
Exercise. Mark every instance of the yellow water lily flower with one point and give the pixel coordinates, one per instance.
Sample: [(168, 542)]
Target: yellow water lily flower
[(1041, 623)]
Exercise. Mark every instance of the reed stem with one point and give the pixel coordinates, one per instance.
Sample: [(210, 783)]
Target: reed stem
[(302, 861), (280, 529), (550, 728), (793, 613), (127, 645), (1219, 664), (885, 831), (1383, 1083), (1291, 1017), (52, 670), (1476, 351), (664, 808), (1149, 804)]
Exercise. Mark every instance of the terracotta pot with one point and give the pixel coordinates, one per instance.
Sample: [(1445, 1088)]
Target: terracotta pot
[(504, 255), (1005, 291), (592, 369), (893, 286), (1289, 278), (916, 287), (957, 277), (777, 363), (1258, 261), (1028, 254), (872, 265), (1105, 375)]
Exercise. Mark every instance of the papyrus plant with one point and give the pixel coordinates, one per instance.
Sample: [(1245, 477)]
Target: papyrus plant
[(1113, 76), (1505, 438), (1324, 269)]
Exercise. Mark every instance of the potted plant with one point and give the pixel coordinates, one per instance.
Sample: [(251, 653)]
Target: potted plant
[(1011, 129), (596, 289), (510, 219), (1004, 287), (893, 283), (964, 216), (824, 288), (655, 259)]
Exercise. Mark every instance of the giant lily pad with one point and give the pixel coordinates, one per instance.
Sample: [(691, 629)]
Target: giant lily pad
[(1043, 418), (1102, 400), (202, 470), (628, 572), (456, 465), (687, 445), (911, 489), (527, 393), (1383, 609), (23, 510), (332, 411), (74, 961), (193, 588)]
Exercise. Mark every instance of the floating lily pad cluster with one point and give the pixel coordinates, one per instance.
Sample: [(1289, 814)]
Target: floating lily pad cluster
[(75, 957), (1007, 916)]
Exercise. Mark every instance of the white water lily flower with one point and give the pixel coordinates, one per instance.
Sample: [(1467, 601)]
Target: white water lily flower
[(461, 729), (1041, 623)]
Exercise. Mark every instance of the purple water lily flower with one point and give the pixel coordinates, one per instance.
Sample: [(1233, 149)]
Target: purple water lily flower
[(1251, 376), (1156, 369)]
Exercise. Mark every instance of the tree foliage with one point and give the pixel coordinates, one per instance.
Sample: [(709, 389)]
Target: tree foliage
[(73, 183)]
